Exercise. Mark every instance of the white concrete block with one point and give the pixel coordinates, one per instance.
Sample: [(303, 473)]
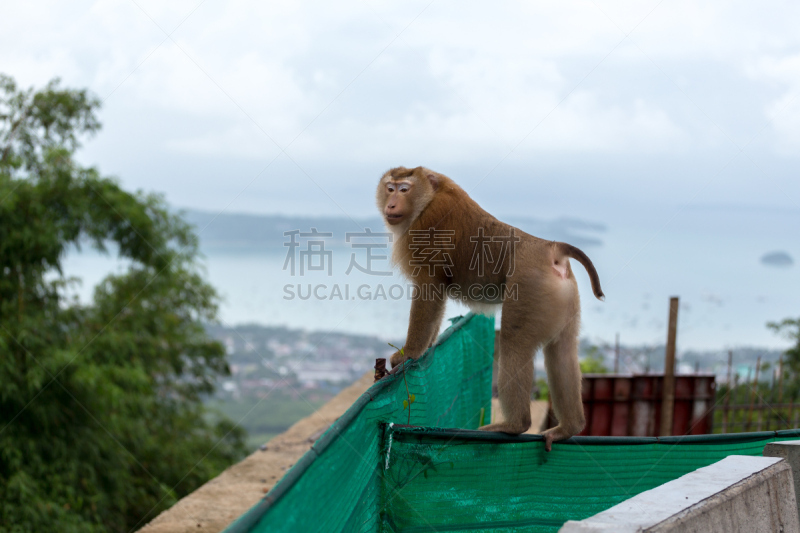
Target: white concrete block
[(738, 494), (790, 451)]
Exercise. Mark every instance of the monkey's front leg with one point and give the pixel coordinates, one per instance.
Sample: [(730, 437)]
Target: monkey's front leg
[(423, 326)]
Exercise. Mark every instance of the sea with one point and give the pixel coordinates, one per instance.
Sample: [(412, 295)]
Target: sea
[(712, 258)]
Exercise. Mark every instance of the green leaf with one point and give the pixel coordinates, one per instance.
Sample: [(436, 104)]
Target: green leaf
[(405, 404), (412, 398), (396, 348), (134, 364)]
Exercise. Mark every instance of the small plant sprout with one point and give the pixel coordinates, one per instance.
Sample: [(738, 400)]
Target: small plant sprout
[(411, 397)]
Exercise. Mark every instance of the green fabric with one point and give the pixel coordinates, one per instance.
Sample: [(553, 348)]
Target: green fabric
[(371, 473), (337, 486), (454, 481)]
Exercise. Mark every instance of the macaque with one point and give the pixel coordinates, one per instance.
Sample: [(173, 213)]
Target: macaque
[(449, 247)]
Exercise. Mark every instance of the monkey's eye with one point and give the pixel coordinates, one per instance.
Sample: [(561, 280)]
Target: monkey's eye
[(390, 188), (404, 188)]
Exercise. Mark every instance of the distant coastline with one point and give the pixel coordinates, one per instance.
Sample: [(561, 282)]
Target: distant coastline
[(239, 231)]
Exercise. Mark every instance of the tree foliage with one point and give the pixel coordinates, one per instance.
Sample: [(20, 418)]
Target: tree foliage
[(101, 420), (593, 362), (790, 329)]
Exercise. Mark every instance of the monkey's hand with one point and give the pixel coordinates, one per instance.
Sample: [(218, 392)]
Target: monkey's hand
[(398, 358)]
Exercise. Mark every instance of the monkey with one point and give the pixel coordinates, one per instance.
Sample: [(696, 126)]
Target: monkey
[(443, 241)]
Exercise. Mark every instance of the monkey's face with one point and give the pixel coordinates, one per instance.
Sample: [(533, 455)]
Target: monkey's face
[(398, 203), (403, 194)]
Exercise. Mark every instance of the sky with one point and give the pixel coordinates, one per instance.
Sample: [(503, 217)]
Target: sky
[(648, 116), (558, 108)]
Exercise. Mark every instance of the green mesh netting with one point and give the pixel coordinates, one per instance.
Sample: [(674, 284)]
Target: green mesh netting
[(337, 485), (449, 480), (370, 473)]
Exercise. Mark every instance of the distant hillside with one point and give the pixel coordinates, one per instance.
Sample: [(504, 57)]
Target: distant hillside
[(242, 231)]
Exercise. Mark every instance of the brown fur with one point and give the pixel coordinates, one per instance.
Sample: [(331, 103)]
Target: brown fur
[(545, 313)]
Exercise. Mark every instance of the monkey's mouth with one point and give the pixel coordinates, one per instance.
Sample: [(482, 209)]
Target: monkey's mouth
[(393, 219)]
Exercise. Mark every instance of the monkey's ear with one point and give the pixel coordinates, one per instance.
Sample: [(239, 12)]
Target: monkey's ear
[(434, 181)]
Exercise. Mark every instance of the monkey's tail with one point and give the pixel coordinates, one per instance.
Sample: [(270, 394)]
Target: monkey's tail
[(582, 258)]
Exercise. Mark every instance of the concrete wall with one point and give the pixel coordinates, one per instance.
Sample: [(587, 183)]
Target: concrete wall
[(738, 494), (215, 505), (790, 451)]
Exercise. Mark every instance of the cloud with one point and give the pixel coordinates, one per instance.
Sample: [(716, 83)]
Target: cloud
[(713, 299), (782, 109), (365, 84)]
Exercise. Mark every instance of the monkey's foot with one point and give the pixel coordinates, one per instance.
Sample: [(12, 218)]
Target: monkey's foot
[(504, 427), (553, 435)]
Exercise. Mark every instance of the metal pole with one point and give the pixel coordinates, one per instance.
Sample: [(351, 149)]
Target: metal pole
[(668, 401), (760, 414), (726, 409), (772, 387), (753, 395)]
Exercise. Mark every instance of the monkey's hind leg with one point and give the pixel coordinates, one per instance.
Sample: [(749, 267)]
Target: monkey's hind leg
[(564, 380), (514, 379)]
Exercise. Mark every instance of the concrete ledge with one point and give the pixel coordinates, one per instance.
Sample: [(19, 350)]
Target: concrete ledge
[(215, 505), (739, 493), (790, 451)]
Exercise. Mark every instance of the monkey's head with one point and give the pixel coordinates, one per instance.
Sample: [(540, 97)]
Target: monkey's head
[(403, 193)]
